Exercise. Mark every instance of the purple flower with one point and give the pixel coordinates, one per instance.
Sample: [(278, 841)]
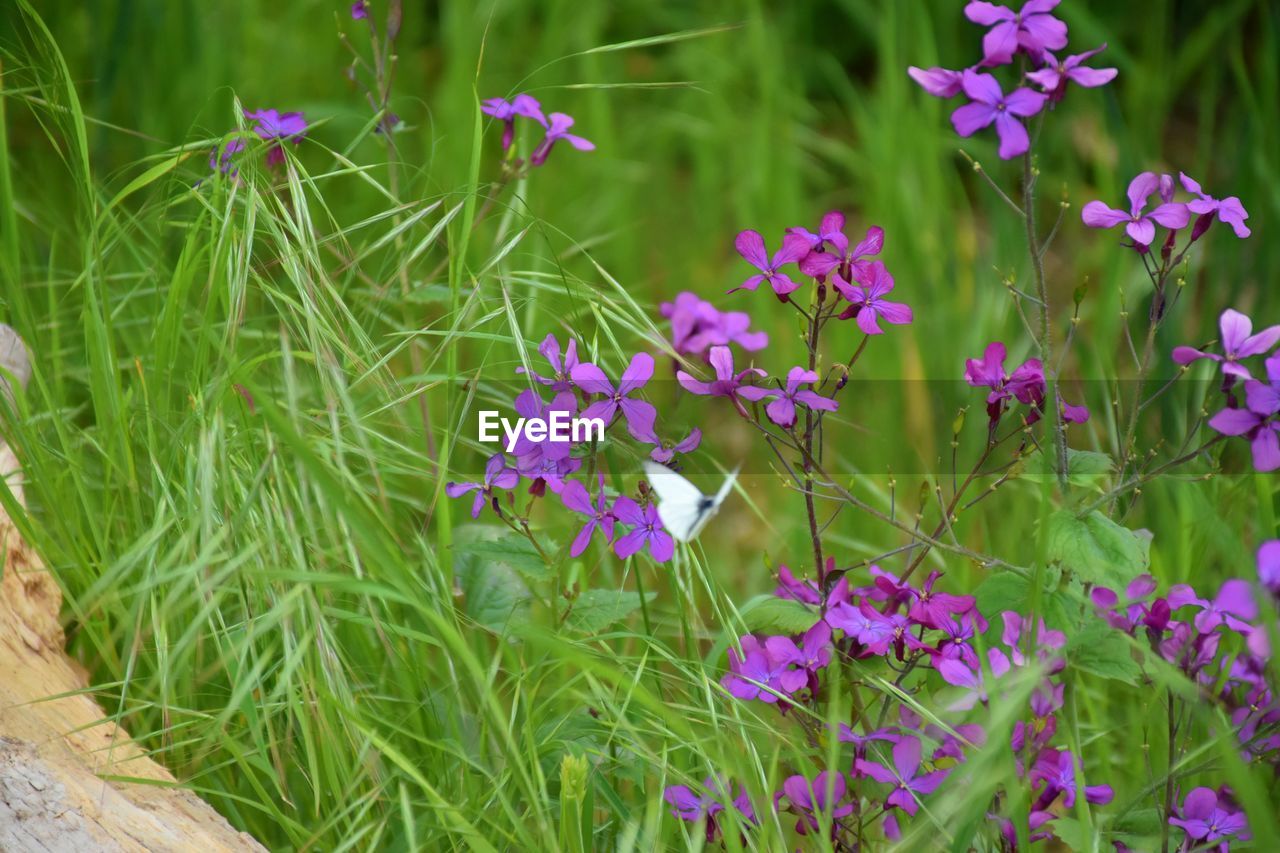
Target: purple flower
[(756, 674), (1055, 75), (782, 411), (359, 10), (1268, 566), (934, 609), (751, 246), (1238, 342), (548, 459), (705, 805), (829, 249), (599, 517), (806, 591), (909, 784), (1140, 226), (1229, 209), (956, 672), (1056, 770), (867, 301), (727, 383), (560, 370), (1046, 640), (1258, 428), (1233, 607), (810, 800), (506, 111), (697, 325), (557, 126), (989, 104), (639, 414), (1137, 592), (813, 654), (1031, 29), (271, 125), (1205, 818), (646, 530), (939, 82), (665, 452), (223, 162), (496, 476)]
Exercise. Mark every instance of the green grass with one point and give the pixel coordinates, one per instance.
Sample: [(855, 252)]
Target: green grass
[(275, 597)]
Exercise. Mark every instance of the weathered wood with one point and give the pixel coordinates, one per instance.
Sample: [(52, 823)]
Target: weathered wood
[(58, 755)]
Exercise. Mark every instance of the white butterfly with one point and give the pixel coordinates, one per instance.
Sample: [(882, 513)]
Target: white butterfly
[(684, 509)]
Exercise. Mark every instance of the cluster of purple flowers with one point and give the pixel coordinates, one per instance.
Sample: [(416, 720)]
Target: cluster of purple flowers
[(1032, 33), (697, 326), (582, 389), (555, 126), (1024, 385), (1256, 420), (894, 766), (1140, 223)]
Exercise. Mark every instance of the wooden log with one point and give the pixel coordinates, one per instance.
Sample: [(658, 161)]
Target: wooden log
[(60, 758)]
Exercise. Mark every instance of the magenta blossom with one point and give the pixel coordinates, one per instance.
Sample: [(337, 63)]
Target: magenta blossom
[(726, 384), (1256, 421), (1031, 29), (811, 655), (751, 246), (271, 125), (782, 411), (1233, 606), (547, 459), (1238, 342), (756, 673), (1140, 226), (697, 326), (506, 111), (1055, 75), (935, 609), (822, 797), (223, 162), (805, 591), (1268, 566), (989, 104), (1229, 210), (665, 452), (557, 125), (866, 297), (561, 370), (939, 82), (639, 414), (496, 476), (1206, 818), (1055, 769), (829, 249), (714, 798), (956, 672), (360, 10), (646, 530), (909, 783), (599, 516)]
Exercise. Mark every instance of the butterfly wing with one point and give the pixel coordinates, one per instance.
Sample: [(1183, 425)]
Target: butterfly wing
[(711, 505), (682, 505)]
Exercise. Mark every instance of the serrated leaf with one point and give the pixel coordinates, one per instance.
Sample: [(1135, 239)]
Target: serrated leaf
[(513, 550), (1101, 650), (1096, 549), (1007, 591), (1088, 468), (597, 609), (769, 614)]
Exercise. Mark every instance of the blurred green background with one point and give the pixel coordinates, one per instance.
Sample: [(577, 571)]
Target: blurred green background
[(144, 311)]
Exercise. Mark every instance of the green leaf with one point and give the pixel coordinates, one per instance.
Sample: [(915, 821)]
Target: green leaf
[(1103, 651), (597, 609), (1089, 469), (512, 550), (772, 615), (493, 594), (1096, 549), (1007, 591)]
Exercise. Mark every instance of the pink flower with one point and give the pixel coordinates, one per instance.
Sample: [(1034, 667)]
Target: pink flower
[(1057, 73), (727, 383), (751, 246), (782, 411), (1140, 226), (1229, 209), (639, 414), (1031, 29), (989, 104), (1238, 342), (872, 283)]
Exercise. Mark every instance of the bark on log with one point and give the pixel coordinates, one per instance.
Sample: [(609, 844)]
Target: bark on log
[(55, 753)]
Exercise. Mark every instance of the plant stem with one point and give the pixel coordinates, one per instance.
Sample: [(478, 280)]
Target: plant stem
[(1046, 334)]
